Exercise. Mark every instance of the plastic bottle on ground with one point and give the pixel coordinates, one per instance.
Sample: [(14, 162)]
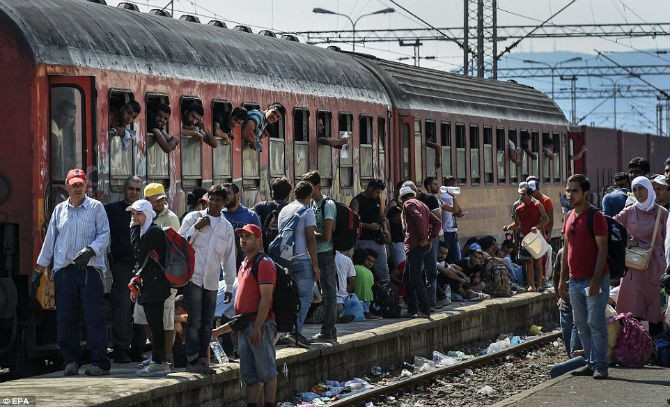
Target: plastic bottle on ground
[(443, 360), (219, 353), (423, 364)]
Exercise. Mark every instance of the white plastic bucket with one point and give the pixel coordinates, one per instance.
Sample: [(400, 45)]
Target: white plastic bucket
[(535, 244)]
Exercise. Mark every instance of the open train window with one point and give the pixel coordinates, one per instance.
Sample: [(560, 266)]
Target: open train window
[(381, 133), (405, 141), (513, 168), (501, 147), (300, 142), (418, 145), (488, 155), (324, 152), (546, 154), (474, 154), (66, 131), (365, 155), (158, 164), (191, 148), (535, 148), (222, 155), (460, 154), (445, 138), (557, 157), (345, 127), (121, 146), (525, 145), (251, 167), (432, 148), (277, 147)]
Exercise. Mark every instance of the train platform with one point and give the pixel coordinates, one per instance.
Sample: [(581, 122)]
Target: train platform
[(385, 342), (649, 386)]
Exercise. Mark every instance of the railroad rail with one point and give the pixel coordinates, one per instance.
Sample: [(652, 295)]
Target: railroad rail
[(414, 380)]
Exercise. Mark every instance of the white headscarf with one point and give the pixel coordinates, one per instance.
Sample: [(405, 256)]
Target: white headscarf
[(651, 195), (144, 206)]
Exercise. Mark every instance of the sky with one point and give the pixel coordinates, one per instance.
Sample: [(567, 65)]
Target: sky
[(297, 16)]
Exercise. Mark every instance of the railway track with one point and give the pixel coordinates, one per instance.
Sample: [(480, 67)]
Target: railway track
[(380, 393)]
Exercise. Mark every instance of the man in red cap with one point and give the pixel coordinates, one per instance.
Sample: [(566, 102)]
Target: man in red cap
[(75, 248), (256, 341)]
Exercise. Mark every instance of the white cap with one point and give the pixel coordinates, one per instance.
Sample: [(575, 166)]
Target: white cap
[(523, 186), (142, 205), (406, 191), (660, 180), (532, 184)]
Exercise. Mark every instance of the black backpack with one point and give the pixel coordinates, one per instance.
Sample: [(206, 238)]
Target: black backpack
[(617, 238), (386, 300), (286, 298), (271, 225), (347, 228)]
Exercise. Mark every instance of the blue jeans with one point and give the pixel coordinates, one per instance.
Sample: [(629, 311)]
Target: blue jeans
[(415, 285), (454, 249), (589, 316), (80, 290), (258, 363), (569, 329), (381, 267), (329, 292), (430, 268), (200, 304), (301, 271)]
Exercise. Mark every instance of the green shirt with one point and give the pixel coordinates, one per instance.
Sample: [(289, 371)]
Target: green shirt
[(364, 281), (329, 212)]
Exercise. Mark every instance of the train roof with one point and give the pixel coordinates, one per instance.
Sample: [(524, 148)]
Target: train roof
[(417, 88), (87, 34)]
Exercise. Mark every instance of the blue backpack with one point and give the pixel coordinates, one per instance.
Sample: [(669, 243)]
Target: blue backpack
[(281, 248)]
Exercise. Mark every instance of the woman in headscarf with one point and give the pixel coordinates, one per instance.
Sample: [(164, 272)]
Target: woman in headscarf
[(640, 290), (150, 288)]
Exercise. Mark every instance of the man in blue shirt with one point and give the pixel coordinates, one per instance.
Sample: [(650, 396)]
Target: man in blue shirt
[(75, 248), (238, 215), (615, 201)]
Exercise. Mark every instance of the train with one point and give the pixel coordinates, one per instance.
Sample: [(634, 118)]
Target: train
[(403, 123)]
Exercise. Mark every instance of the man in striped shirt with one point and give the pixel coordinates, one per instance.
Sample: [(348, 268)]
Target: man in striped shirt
[(75, 248)]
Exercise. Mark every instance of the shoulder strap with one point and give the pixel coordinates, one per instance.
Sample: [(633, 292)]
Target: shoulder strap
[(257, 261), (592, 211), (653, 237)]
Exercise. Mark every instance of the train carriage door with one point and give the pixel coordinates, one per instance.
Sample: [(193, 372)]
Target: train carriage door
[(71, 140), (406, 151)]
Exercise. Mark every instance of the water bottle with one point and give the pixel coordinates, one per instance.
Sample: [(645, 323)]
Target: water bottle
[(447, 292), (219, 353)]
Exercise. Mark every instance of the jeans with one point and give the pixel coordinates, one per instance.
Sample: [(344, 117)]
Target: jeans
[(430, 267), (329, 290), (301, 271), (454, 249), (589, 316), (200, 304), (569, 329), (415, 285), (80, 290), (122, 307), (381, 267)]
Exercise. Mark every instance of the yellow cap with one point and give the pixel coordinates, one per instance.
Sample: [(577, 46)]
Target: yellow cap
[(154, 189)]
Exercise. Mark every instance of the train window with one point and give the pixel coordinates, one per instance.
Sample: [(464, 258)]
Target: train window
[(191, 148), (488, 155), (571, 152), (251, 167), (513, 167), (535, 148), (324, 152), (431, 148), (405, 141), (474, 154), (445, 138), (501, 146), (556, 148), (300, 142), (547, 156), (346, 157), (525, 145), (66, 131), (365, 155), (418, 141), (277, 149), (461, 175), (222, 155), (121, 146), (381, 133), (158, 165)]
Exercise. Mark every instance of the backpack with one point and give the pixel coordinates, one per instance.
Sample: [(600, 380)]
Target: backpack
[(386, 300), (617, 238), (281, 247), (271, 225), (633, 346), (286, 298), (347, 225), (662, 350), (179, 259), (496, 276)]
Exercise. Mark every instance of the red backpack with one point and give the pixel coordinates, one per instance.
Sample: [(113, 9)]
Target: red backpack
[(633, 346), (179, 259)]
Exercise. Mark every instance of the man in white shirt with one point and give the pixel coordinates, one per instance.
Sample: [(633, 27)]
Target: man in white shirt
[(212, 238)]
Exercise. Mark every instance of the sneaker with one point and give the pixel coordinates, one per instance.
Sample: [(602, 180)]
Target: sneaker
[(200, 367), (121, 357), (298, 340), (457, 297), (442, 303), (152, 370), (600, 373), (321, 338), (71, 369), (585, 371), (144, 363), (167, 366), (96, 371)]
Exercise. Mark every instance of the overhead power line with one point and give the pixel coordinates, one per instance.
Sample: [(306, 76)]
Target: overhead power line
[(604, 70)]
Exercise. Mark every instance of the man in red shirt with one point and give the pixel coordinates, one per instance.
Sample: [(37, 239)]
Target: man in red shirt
[(256, 341), (548, 205), (529, 216), (585, 258)]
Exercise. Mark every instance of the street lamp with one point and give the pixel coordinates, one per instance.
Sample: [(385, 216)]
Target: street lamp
[(552, 68), (319, 10)]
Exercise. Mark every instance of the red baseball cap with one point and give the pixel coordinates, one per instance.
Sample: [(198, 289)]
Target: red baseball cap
[(75, 175), (250, 228)]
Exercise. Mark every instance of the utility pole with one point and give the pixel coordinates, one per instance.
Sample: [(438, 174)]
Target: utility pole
[(573, 94), (480, 23), (417, 45)]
